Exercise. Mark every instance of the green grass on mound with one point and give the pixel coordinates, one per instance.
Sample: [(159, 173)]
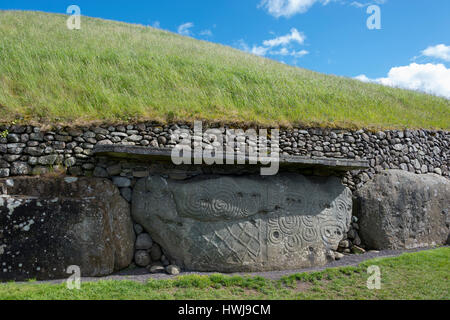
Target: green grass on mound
[(422, 275), (116, 71)]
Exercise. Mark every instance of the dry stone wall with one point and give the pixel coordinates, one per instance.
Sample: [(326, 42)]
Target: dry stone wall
[(29, 150)]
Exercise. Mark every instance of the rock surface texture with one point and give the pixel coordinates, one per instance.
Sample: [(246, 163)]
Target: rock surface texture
[(398, 210), (244, 223), (49, 224)]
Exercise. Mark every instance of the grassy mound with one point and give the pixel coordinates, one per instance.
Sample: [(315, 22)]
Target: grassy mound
[(117, 71)]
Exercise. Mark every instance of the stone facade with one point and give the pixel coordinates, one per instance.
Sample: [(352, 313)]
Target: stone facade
[(30, 150)]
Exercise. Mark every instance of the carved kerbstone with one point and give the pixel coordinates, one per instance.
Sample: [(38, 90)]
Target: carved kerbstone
[(244, 223)]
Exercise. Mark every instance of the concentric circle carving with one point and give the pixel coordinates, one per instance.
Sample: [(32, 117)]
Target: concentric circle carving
[(293, 243), (289, 225), (275, 236), (309, 235), (332, 232)]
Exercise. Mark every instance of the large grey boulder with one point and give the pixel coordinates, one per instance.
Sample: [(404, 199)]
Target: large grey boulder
[(244, 223), (399, 210), (49, 224)]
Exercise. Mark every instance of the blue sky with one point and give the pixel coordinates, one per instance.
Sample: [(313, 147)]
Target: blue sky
[(329, 36)]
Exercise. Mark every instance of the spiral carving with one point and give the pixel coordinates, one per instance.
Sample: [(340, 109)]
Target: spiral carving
[(245, 221), (341, 208), (309, 235), (275, 236), (219, 201), (289, 225), (293, 243), (332, 232), (308, 221)]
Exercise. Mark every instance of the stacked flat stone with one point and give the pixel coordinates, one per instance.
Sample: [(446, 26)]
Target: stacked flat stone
[(28, 150)]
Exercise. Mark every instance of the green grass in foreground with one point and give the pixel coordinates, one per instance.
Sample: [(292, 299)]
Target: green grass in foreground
[(422, 275), (115, 71)]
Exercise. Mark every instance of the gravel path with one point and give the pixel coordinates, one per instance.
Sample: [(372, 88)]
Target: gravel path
[(142, 275)]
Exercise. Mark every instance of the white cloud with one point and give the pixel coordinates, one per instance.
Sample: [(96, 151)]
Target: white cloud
[(184, 29), (299, 54), (287, 52), (429, 78), (206, 33), (242, 45), (288, 8), (284, 42), (259, 51), (156, 24), (364, 78), (294, 36), (358, 4), (363, 5), (281, 52), (439, 51), (263, 51)]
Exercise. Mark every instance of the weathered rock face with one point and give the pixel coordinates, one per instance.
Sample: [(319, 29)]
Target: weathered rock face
[(250, 223), (399, 210), (46, 225)]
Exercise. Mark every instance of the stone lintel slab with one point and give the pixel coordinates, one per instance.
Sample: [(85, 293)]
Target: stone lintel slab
[(164, 154)]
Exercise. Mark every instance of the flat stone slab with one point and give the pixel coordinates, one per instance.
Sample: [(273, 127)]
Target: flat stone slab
[(164, 154), (244, 223)]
